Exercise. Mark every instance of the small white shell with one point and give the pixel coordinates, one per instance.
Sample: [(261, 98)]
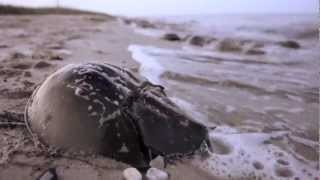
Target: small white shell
[(156, 174), (132, 174)]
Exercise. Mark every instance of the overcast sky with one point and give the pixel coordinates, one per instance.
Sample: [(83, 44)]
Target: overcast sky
[(178, 7)]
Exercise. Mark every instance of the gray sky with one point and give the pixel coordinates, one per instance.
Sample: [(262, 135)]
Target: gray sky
[(178, 7)]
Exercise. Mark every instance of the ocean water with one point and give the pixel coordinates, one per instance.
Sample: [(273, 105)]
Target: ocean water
[(265, 106)]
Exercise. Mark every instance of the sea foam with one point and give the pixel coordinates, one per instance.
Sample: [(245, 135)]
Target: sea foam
[(237, 154)]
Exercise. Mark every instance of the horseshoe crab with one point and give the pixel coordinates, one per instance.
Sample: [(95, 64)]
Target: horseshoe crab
[(104, 109)]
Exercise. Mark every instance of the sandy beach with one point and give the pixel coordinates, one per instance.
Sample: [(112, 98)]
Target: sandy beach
[(31, 48), (256, 82)]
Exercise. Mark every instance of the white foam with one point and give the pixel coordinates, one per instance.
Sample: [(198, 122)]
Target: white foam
[(246, 155), (290, 110), (190, 109), (150, 67), (230, 109), (296, 110), (149, 32), (295, 98), (236, 154)]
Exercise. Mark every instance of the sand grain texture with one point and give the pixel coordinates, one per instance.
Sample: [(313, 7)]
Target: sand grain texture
[(32, 47)]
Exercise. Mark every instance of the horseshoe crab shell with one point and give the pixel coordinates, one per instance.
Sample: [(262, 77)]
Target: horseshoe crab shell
[(103, 109)]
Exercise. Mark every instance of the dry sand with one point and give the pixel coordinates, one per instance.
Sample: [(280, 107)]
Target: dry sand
[(31, 48)]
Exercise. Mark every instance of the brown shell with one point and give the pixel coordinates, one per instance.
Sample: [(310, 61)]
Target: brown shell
[(100, 108)]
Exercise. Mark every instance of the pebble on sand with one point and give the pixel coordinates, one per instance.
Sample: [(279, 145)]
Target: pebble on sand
[(42, 64), (50, 174), (156, 174), (18, 55), (27, 74), (23, 65), (158, 162), (255, 52), (197, 41), (290, 44), (171, 37), (132, 174), (56, 58), (229, 45), (2, 46)]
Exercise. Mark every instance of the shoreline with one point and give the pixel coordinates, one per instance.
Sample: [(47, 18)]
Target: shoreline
[(32, 47)]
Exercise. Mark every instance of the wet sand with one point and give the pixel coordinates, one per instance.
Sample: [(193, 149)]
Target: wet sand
[(258, 85), (31, 48)]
